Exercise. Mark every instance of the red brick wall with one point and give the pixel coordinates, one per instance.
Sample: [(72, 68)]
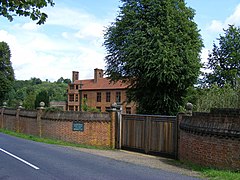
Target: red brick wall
[(211, 139), (95, 132), (98, 127)]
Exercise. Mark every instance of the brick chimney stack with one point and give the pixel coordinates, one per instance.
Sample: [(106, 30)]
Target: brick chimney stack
[(75, 76), (98, 73)]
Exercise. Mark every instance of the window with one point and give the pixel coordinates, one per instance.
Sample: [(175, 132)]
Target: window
[(108, 96), (118, 97), (76, 108), (85, 96), (76, 98), (71, 97), (71, 86), (128, 110), (76, 86), (71, 108), (98, 97)]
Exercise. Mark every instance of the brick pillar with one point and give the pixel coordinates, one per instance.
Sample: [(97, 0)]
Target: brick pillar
[(18, 120), (40, 111), (113, 115), (179, 119), (1, 117)]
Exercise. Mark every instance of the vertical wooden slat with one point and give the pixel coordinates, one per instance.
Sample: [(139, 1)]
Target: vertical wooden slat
[(149, 133)]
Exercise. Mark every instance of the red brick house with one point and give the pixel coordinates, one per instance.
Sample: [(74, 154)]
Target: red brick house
[(98, 92)]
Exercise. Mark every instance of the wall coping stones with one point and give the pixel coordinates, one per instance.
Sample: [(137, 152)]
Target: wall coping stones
[(222, 123), (76, 116)]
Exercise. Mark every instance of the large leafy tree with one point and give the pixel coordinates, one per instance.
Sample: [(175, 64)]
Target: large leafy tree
[(155, 46), (6, 71), (224, 60), (31, 8)]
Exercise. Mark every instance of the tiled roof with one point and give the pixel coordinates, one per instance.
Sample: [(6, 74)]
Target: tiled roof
[(102, 83)]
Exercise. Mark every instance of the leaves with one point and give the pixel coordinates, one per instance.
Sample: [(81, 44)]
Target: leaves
[(224, 60), (6, 71), (156, 45), (31, 8)]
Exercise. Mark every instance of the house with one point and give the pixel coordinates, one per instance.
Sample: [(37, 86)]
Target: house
[(98, 93), (58, 104)]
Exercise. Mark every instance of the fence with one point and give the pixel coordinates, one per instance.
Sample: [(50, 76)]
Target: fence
[(150, 134)]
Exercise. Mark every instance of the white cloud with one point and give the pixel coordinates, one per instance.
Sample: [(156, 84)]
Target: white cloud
[(70, 40), (215, 26), (31, 26), (233, 19), (94, 30)]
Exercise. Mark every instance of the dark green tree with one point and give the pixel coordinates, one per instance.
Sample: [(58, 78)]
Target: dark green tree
[(224, 60), (6, 71), (155, 46), (42, 97), (11, 8)]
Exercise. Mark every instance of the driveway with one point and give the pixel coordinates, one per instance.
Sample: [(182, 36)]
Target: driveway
[(143, 160)]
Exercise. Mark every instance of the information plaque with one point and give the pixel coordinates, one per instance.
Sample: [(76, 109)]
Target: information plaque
[(78, 126)]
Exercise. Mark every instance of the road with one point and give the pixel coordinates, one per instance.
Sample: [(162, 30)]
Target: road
[(24, 159)]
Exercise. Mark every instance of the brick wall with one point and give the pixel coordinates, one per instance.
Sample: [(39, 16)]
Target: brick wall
[(211, 139), (59, 125)]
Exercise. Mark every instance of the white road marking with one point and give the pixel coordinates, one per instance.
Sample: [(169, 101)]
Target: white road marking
[(20, 159)]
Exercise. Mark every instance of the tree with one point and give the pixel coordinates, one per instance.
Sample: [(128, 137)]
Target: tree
[(10, 8), (154, 46), (224, 60), (6, 71), (42, 97)]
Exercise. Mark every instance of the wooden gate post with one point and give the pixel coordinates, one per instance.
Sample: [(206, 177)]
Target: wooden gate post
[(147, 135)]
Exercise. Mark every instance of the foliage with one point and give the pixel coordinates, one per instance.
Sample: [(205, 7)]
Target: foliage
[(62, 80), (224, 60), (32, 9), (154, 46), (42, 96), (26, 90), (6, 71), (217, 97)]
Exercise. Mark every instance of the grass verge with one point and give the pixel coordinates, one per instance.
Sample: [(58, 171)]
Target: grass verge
[(50, 141), (209, 173)]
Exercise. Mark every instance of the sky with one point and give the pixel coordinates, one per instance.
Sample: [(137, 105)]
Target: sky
[(72, 37)]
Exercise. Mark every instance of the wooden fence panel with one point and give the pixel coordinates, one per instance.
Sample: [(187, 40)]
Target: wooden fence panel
[(149, 134)]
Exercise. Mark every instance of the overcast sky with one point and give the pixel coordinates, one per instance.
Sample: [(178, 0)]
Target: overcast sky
[(72, 37)]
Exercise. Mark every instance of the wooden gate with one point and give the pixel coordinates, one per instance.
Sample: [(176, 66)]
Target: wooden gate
[(151, 134)]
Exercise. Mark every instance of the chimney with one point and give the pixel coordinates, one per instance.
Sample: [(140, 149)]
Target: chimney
[(98, 73), (75, 76)]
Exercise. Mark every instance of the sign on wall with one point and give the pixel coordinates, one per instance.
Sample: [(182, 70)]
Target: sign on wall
[(78, 126)]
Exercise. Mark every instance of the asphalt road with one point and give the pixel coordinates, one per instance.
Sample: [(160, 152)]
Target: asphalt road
[(23, 159)]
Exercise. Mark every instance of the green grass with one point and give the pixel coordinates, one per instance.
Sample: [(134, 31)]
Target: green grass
[(216, 174), (50, 141), (210, 173)]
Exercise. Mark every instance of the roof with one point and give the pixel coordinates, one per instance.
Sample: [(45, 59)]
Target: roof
[(102, 83)]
